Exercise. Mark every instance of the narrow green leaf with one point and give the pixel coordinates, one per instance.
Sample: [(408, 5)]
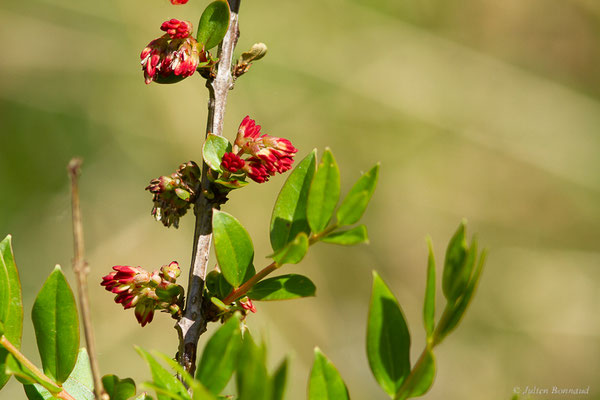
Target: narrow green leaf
[(213, 24), (294, 251), (56, 325), (453, 282), (325, 382), (162, 378), (164, 393), (251, 374), (284, 287), (289, 213), (456, 311), (429, 304), (232, 184), (118, 389), (353, 208), (11, 306), (213, 149), (279, 381), (220, 355), (421, 378), (233, 247), (388, 339), (348, 237), (356, 201), (200, 392), (324, 193)]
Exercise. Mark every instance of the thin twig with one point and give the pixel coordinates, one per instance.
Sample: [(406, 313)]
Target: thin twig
[(81, 269), (193, 323)]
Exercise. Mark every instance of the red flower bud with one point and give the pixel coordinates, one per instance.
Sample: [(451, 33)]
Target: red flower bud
[(177, 29), (232, 162), (177, 2), (247, 305)]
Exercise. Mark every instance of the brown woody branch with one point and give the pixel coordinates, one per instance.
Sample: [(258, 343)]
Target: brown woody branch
[(193, 323)]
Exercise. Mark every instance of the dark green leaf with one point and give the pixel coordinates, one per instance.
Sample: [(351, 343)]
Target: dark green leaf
[(212, 151), (349, 237), (233, 247), (324, 193), (118, 389), (294, 251), (279, 380), (356, 201), (11, 307), (220, 355), (56, 325), (453, 282), (429, 304), (283, 287), (420, 379), (289, 213), (325, 382), (213, 24), (163, 381), (251, 374), (388, 339)]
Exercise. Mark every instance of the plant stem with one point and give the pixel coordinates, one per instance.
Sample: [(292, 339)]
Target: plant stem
[(42, 379), (81, 269), (242, 290), (193, 323)]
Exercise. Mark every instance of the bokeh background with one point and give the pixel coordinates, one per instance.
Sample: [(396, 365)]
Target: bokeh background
[(476, 108)]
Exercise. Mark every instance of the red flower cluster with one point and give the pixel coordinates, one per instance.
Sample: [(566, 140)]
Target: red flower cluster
[(176, 2), (173, 56), (268, 155), (136, 287)]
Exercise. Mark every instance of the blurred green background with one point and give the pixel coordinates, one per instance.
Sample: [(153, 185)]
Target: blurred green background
[(476, 108)]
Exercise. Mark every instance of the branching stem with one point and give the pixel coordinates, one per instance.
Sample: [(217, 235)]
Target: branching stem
[(193, 322), (81, 270)]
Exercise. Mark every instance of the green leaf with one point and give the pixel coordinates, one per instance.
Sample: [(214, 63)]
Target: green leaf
[(200, 392), (356, 201), (118, 389), (80, 384), (294, 251), (284, 287), (453, 279), (213, 24), (220, 355), (232, 184), (289, 213), (325, 382), (456, 311), (252, 375), (279, 380), (11, 306), (348, 237), (217, 285), (429, 304), (388, 339), (233, 247), (143, 396), (163, 381), (56, 325), (421, 378), (213, 149), (324, 193)]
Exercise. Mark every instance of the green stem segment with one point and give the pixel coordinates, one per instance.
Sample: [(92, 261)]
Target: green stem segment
[(42, 379)]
